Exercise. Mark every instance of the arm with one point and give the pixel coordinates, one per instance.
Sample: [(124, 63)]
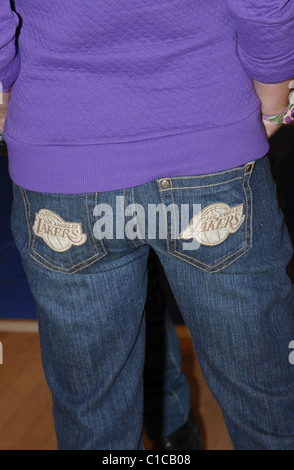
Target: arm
[(274, 100), (9, 58), (274, 97), (265, 31), (3, 109)]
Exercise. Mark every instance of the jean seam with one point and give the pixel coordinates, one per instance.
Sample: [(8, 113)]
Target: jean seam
[(67, 270), (69, 273), (252, 209), (206, 175), (212, 270), (132, 240), (100, 239), (141, 242), (165, 213), (27, 215), (97, 255), (205, 186), (89, 223)]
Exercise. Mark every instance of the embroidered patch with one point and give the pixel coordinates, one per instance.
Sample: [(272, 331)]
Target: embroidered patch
[(56, 233), (214, 224)]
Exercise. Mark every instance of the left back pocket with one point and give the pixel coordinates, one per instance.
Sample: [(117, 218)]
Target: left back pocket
[(58, 228)]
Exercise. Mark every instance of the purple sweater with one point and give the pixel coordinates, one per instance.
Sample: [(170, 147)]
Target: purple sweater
[(109, 94)]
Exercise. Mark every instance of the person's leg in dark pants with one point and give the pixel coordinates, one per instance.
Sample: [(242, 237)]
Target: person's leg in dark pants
[(168, 418)]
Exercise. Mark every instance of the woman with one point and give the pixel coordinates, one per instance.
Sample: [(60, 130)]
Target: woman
[(118, 109)]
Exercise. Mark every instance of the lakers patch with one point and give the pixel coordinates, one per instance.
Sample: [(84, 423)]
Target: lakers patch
[(214, 224), (56, 232)]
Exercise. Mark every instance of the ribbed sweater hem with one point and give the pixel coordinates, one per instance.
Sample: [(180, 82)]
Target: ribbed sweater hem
[(70, 169)]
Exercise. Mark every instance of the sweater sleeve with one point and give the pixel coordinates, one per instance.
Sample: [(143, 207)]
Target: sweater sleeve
[(9, 57), (265, 31)]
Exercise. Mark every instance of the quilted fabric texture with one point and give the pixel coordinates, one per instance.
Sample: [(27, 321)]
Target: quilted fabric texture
[(114, 93)]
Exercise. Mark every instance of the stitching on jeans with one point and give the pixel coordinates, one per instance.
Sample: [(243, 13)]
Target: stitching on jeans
[(27, 214), (196, 262), (127, 221), (165, 212), (235, 252), (175, 223), (205, 186), (251, 227), (204, 176), (89, 223), (140, 240), (232, 254), (100, 240), (213, 270), (247, 205), (251, 204), (32, 246), (71, 267), (251, 215), (66, 271), (69, 273), (252, 208)]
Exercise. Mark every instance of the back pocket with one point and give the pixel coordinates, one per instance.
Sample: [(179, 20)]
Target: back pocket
[(60, 236), (209, 217)]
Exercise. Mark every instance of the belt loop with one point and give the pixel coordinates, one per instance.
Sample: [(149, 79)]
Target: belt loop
[(249, 168)]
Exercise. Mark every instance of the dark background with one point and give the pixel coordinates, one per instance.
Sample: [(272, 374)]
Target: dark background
[(16, 298)]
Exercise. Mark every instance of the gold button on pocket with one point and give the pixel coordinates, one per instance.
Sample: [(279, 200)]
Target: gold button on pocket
[(165, 184)]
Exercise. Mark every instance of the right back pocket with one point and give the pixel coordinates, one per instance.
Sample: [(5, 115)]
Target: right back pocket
[(222, 231)]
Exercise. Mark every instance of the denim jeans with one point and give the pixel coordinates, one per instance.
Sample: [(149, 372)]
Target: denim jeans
[(226, 263)]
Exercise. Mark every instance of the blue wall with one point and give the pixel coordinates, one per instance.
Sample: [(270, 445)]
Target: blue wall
[(16, 300)]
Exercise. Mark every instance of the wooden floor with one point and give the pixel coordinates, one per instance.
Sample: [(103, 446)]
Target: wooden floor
[(26, 421)]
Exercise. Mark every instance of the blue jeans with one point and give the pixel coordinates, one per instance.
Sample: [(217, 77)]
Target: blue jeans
[(227, 268)]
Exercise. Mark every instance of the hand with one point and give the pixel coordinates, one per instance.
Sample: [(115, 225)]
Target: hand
[(3, 109), (270, 128)]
